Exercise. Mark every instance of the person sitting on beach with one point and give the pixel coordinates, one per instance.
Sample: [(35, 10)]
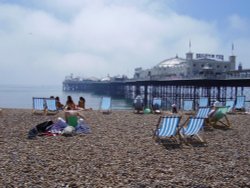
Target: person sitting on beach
[(174, 109), (70, 105), (81, 103), (214, 108), (59, 105)]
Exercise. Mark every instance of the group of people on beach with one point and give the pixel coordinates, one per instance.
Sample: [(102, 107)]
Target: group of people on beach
[(70, 104)]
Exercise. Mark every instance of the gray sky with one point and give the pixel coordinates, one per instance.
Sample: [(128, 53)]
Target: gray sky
[(42, 41)]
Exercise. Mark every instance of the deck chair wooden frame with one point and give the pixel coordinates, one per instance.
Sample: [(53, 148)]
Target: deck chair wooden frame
[(106, 105), (193, 127), (216, 119), (167, 129), (38, 105)]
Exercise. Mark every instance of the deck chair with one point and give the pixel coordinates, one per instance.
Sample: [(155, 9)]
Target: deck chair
[(192, 128), (166, 129), (105, 106), (203, 112), (156, 105), (38, 105), (216, 119), (188, 106), (240, 103), (138, 105), (230, 105), (203, 102), (51, 106)]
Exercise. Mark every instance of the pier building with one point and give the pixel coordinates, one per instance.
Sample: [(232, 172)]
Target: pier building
[(203, 66)]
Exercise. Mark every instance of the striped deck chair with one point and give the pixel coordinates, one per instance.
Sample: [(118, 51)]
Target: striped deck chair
[(105, 106), (156, 105), (203, 112), (240, 103), (230, 105), (167, 128), (188, 106), (51, 105), (191, 128), (216, 119), (38, 105), (203, 102)]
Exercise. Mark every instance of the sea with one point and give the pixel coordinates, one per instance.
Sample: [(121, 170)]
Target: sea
[(20, 97)]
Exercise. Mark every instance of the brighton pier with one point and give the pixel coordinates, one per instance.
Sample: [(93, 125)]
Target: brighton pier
[(174, 80)]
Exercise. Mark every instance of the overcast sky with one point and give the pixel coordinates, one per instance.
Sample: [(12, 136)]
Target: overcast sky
[(42, 41)]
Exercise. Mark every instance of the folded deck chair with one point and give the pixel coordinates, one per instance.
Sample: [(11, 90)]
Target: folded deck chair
[(203, 102), (105, 106), (51, 105), (230, 105), (166, 128), (156, 105), (203, 112), (191, 128), (38, 105), (240, 103), (216, 119), (188, 106)]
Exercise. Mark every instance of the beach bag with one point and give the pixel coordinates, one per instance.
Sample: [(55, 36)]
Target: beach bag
[(68, 131), (45, 126)]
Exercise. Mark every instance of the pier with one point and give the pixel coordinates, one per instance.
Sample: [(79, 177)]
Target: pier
[(171, 91)]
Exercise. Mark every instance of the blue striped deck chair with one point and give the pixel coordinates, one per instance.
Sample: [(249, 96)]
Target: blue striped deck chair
[(203, 112), (51, 105), (240, 103), (38, 105), (188, 106), (203, 102), (105, 106), (230, 105), (156, 105), (167, 128), (193, 127)]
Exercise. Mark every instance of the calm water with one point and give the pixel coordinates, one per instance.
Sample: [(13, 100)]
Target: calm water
[(21, 97)]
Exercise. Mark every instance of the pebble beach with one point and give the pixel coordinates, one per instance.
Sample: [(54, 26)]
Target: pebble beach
[(120, 152)]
